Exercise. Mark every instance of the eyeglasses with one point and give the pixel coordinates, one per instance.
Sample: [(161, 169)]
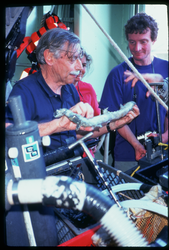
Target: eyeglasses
[(73, 56)]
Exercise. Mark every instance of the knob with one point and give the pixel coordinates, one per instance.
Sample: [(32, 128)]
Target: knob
[(46, 141), (13, 152)]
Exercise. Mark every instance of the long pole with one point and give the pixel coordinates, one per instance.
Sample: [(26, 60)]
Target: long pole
[(126, 60), (26, 214)]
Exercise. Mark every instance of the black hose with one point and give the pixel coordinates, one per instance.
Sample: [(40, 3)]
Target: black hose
[(57, 155), (69, 195), (96, 204), (63, 153)]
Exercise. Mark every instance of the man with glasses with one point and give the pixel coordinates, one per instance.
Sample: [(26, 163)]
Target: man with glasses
[(58, 52)]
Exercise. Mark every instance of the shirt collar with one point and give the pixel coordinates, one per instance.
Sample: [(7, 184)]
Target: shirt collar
[(64, 90)]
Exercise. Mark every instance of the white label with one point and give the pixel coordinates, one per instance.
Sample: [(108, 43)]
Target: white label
[(31, 151)]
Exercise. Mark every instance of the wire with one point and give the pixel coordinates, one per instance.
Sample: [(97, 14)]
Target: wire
[(163, 144), (135, 171)]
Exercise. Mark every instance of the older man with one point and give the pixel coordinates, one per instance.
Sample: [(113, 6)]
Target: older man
[(58, 53)]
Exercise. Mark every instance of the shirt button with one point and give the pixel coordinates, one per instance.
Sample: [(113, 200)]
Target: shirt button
[(56, 95)]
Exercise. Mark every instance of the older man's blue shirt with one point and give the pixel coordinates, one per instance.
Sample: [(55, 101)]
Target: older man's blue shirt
[(40, 102)]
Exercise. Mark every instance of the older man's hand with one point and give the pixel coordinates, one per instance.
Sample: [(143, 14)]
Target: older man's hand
[(128, 118), (83, 109)]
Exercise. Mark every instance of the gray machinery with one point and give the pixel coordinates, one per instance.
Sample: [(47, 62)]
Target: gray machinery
[(154, 166), (24, 161)]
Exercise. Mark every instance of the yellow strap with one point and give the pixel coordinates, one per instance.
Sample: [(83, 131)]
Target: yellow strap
[(163, 144), (135, 171)]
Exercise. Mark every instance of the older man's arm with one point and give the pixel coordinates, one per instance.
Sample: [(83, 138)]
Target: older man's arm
[(114, 124), (63, 123), (84, 109)]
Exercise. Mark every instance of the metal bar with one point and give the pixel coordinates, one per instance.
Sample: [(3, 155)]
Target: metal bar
[(80, 140), (23, 64), (92, 159), (159, 123), (106, 148), (160, 84), (26, 217), (28, 225)]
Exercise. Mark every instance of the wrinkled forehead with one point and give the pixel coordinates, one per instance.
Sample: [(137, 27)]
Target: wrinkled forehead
[(72, 48), (72, 51)]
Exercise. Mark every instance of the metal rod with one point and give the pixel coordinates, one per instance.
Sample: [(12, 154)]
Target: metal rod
[(140, 77), (106, 148), (28, 225), (92, 159), (159, 123), (23, 64), (16, 106), (80, 140), (26, 217), (160, 84)]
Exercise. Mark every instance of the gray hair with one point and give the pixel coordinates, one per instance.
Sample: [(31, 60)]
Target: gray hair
[(54, 40), (88, 59)]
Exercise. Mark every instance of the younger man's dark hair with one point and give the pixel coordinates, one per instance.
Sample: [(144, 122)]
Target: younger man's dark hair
[(140, 23)]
